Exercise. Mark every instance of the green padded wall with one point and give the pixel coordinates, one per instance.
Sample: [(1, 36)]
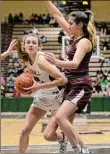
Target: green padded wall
[(15, 104), (98, 104)]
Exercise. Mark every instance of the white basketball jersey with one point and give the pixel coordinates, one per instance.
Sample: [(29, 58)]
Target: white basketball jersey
[(42, 76)]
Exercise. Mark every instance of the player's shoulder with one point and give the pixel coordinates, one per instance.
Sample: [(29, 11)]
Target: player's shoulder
[(40, 55), (84, 40)]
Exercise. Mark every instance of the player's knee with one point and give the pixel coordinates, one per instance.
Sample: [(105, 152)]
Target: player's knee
[(59, 119), (25, 132), (48, 135)]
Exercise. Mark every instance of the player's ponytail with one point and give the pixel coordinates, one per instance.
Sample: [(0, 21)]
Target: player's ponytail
[(91, 27)]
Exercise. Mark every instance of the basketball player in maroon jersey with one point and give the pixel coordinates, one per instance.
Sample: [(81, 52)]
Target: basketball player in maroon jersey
[(80, 27)]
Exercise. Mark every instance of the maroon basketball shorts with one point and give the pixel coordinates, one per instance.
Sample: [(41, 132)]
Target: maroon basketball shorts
[(78, 94)]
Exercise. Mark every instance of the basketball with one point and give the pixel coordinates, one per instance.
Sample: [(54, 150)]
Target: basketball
[(25, 80)]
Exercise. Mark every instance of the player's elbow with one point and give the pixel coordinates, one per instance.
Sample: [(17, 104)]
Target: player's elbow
[(63, 80), (75, 64)]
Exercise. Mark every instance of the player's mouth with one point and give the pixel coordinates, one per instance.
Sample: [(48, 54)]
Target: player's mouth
[(30, 50)]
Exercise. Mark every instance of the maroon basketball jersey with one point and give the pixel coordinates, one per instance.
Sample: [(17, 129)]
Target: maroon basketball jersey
[(81, 74)]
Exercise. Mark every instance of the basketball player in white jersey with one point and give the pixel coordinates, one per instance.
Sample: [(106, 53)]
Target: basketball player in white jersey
[(47, 91)]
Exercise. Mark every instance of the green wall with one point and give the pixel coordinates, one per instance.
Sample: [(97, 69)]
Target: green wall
[(15, 104), (98, 104)]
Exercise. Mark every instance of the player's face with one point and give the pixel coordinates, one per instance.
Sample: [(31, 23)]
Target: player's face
[(72, 25), (31, 44)]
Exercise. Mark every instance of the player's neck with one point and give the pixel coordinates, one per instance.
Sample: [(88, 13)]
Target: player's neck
[(78, 37), (32, 57)]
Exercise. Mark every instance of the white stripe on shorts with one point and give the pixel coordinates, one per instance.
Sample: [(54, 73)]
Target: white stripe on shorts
[(78, 97)]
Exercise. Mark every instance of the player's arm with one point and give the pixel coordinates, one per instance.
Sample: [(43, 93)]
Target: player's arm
[(9, 50), (54, 11), (4, 55), (60, 79), (83, 46)]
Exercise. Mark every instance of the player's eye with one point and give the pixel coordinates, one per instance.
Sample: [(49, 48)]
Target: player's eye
[(34, 42), (27, 42)]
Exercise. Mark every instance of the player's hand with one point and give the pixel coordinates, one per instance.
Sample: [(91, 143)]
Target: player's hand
[(50, 57), (12, 46), (23, 92), (35, 87)]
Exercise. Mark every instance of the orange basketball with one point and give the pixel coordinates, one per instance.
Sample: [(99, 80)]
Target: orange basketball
[(25, 80)]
